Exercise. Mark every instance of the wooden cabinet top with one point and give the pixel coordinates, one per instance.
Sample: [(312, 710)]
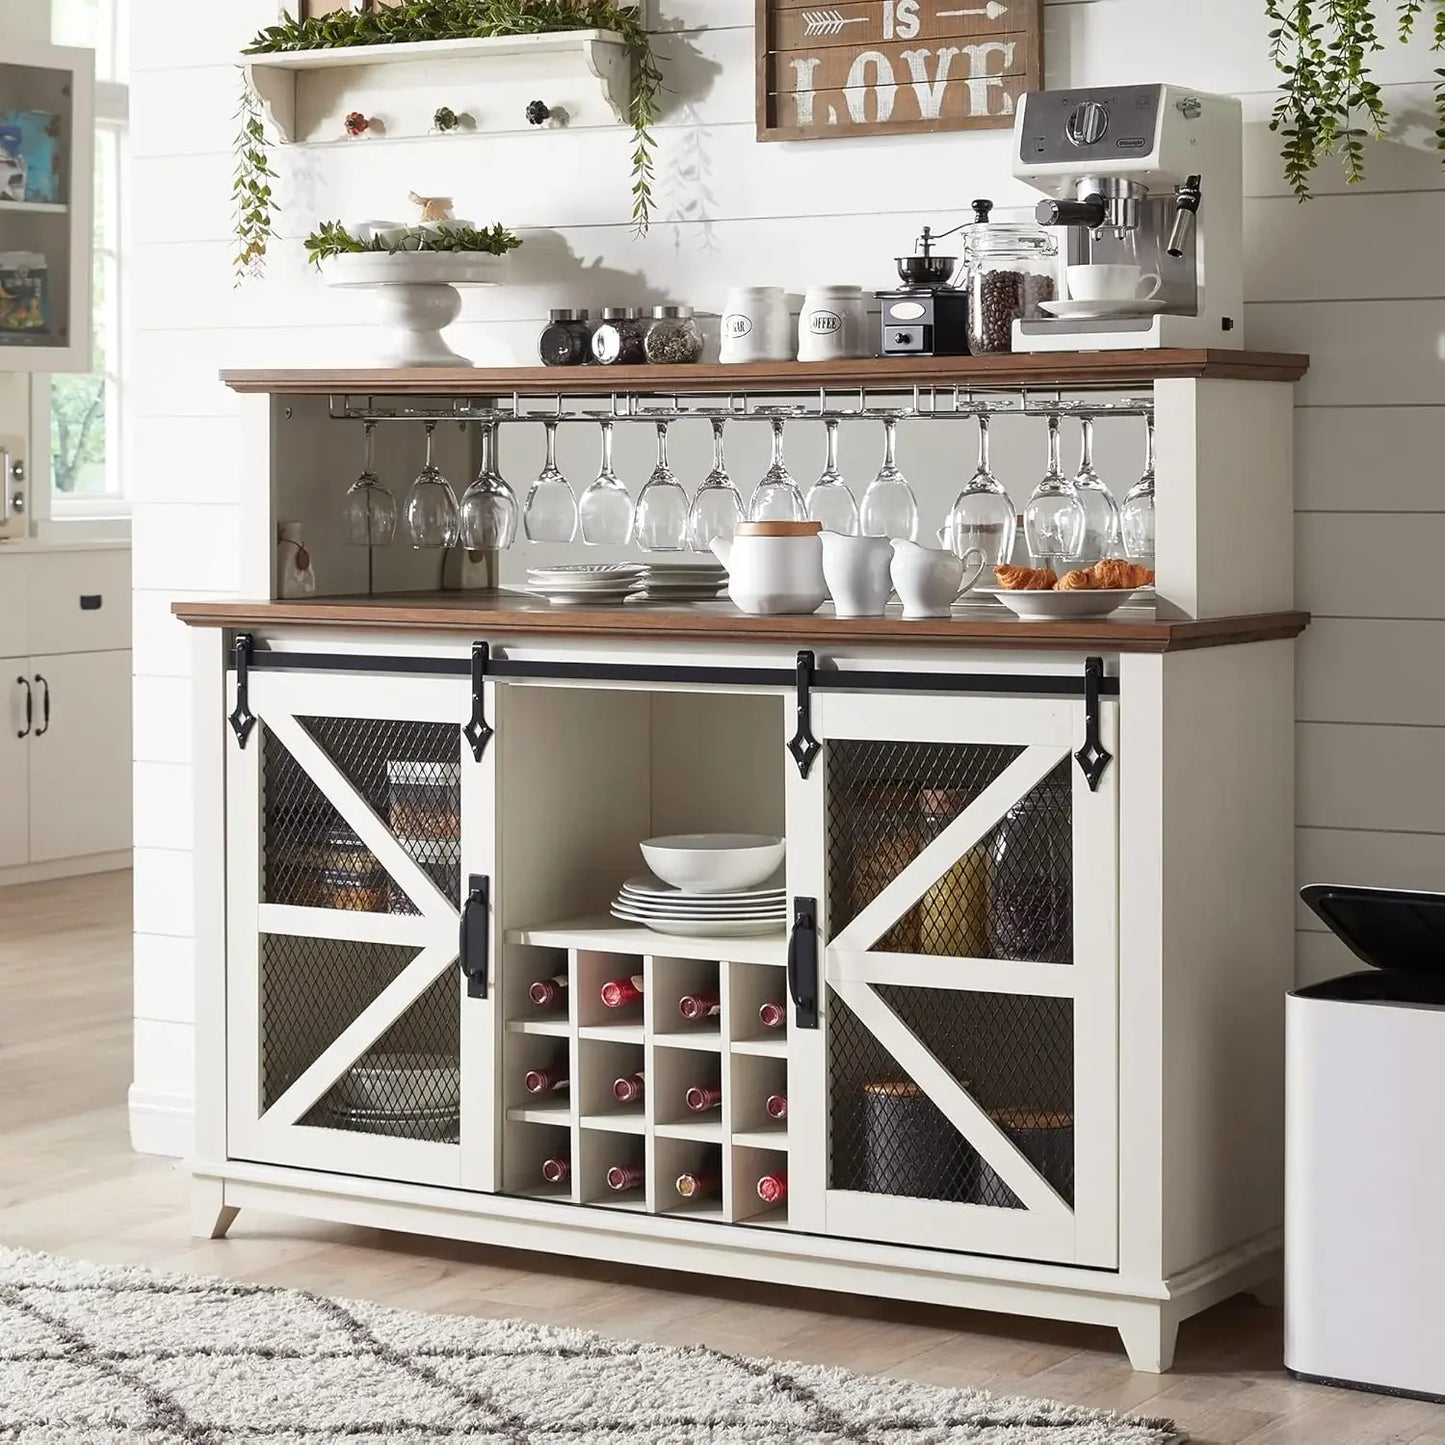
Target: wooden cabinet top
[(495, 615), (1115, 369)]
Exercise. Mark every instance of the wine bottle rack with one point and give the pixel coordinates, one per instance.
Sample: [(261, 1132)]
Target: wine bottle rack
[(588, 1126)]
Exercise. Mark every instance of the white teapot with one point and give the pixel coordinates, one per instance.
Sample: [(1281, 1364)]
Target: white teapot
[(774, 567), (929, 580)]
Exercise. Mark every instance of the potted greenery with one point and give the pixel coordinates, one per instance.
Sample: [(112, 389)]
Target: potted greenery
[(423, 20)]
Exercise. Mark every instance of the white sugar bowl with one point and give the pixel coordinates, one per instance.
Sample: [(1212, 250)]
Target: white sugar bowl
[(774, 567), (756, 325), (833, 324)]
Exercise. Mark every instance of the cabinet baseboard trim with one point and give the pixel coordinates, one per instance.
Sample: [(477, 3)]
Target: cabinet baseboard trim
[(65, 868), (161, 1123)]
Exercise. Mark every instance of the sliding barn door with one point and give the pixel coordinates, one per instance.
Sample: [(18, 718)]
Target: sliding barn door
[(357, 819), (962, 1087)]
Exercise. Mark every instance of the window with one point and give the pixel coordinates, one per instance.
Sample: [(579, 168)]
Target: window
[(82, 413)]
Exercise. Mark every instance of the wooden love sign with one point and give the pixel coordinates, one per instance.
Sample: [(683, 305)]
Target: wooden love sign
[(835, 68)]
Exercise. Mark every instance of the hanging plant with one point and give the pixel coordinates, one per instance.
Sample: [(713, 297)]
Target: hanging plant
[(422, 20), (251, 189), (1328, 103)]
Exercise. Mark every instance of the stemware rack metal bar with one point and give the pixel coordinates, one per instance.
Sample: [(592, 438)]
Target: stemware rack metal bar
[(924, 403)]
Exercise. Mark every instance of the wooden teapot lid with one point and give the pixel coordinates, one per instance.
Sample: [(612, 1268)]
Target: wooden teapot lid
[(777, 529)]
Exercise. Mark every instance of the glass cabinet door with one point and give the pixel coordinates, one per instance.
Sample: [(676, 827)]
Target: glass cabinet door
[(358, 817), (962, 1087)]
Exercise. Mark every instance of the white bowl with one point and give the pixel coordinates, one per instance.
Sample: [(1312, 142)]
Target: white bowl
[(714, 862)]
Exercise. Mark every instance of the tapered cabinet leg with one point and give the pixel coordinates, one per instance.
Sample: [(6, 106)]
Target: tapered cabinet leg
[(211, 1216), (1149, 1335)]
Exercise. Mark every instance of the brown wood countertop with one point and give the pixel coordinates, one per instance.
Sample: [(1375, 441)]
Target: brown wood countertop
[(488, 614), (1047, 369)]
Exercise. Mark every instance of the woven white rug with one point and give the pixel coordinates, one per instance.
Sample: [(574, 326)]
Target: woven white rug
[(98, 1356)]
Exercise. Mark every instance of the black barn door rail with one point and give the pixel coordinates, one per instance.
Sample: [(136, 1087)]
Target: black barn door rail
[(808, 676)]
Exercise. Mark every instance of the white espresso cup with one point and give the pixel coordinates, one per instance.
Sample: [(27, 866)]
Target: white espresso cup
[(1113, 283)]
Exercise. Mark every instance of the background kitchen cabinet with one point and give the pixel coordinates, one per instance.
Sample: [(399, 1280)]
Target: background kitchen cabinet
[(14, 769)]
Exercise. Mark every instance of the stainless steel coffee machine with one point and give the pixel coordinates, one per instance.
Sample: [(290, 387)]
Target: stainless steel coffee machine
[(1143, 176)]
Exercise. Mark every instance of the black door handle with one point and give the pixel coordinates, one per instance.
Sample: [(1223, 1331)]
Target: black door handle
[(803, 962), (475, 945), (29, 707), (45, 707)]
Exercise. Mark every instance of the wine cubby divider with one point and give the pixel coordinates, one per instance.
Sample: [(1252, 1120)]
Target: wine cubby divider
[(730, 1147)]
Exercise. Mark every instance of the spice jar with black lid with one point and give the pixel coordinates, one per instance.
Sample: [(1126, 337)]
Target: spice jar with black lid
[(619, 340), (1012, 269), (674, 337), (566, 340)]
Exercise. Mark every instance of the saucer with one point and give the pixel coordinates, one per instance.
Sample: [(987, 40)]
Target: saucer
[(1101, 310)]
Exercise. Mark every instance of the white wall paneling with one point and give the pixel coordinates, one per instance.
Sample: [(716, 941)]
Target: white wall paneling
[(1349, 279)]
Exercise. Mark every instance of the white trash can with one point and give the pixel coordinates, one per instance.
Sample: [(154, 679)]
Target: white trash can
[(1365, 1151)]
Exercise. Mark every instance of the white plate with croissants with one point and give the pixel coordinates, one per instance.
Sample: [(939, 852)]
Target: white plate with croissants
[(1097, 591)]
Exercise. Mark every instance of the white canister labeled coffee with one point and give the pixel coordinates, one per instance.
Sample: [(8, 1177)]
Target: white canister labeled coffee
[(755, 325), (833, 324)]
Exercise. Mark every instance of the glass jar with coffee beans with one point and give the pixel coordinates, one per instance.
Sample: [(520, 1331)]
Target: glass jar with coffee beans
[(618, 341), (1012, 268), (566, 339), (674, 338)]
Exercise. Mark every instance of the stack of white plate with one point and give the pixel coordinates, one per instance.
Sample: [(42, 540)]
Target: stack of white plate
[(585, 584), (659, 906), (690, 581)]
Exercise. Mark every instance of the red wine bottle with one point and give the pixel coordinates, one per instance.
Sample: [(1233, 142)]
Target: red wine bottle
[(630, 1089), (693, 1006), (773, 1188), (777, 1106), (619, 992), (548, 990), (557, 1170), (702, 1097), (700, 1184), (622, 1177), (773, 1015), (546, 1081)]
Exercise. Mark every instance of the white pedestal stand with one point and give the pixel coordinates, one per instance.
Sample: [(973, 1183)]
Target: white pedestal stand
[(416, 298)]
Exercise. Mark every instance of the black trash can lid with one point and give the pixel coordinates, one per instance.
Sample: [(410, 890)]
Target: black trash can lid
[(1396, 929)]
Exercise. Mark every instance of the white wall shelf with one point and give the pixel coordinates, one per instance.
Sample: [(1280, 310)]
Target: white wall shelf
[(306, 94), (34, 208)]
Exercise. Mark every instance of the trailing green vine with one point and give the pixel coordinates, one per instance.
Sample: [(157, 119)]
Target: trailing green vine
[(421, 20), (1328, 103), (255, 207), (331, 238)]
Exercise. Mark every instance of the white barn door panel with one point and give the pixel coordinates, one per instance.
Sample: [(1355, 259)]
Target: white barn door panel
[(967, 880), (356, 816)]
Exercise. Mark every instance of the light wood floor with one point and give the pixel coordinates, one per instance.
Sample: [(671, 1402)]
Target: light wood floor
[(70, 1184)]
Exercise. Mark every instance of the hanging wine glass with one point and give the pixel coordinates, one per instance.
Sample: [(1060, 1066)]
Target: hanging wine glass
[(1136, 517), (889, 507), (718, 506), (431, 508), (370, 509), (489, 507), (1054, 519), (830, 502), (662, 506), (1101, 511), (605, 510), (551, 514), (983, 516), (777, 498)]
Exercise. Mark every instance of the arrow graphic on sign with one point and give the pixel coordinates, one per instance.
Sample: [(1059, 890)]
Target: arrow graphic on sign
[(993, 11), (831, 22)]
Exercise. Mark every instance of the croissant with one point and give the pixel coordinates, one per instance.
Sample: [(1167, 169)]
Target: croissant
[(1079, 580), (1117, 574), (1025, 579)]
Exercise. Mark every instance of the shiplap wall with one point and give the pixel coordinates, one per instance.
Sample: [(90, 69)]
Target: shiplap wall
[(1353, 279)]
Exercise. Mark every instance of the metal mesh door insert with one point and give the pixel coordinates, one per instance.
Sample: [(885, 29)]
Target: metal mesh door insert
[(1010, 896), (1013, 1054), (408, 772)]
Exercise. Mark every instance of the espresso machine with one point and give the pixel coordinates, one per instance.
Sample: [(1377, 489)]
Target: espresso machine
[(1150, 176)]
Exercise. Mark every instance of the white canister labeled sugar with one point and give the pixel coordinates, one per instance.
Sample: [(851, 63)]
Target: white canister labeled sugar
[(833, 324), (755, 325)]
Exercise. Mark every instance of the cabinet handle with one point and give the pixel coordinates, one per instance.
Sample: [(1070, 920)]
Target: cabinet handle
[(803, 962), (29, 707), (44, 707), (475, 943)]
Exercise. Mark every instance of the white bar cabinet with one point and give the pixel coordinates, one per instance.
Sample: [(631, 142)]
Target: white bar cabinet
[(1039, 881)]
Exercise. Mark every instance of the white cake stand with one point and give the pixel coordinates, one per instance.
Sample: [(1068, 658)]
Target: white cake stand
[(417, 298)]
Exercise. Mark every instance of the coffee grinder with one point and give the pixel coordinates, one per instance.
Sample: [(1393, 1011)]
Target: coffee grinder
[(1140, 175), (926, 316)]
